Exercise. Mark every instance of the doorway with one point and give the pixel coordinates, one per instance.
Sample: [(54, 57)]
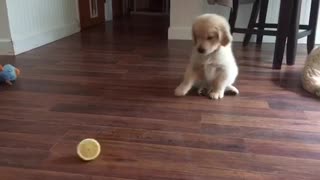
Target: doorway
[(95, 12), (142, 7), (91, 12)]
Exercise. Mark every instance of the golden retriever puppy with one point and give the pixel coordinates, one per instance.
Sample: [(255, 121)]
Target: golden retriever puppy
[(212, 64)]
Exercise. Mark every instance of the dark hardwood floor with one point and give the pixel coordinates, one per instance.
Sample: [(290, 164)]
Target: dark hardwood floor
[(115, 83)]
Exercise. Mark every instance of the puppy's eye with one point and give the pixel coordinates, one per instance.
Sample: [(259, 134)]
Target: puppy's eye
[(210, 38)]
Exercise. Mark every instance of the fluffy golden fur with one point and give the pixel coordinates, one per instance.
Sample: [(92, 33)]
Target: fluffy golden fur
[(212, 64), (311, 73)]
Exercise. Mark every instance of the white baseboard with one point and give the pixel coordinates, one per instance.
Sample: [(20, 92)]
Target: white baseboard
[(184, 33), (6, 47), (39, 39)]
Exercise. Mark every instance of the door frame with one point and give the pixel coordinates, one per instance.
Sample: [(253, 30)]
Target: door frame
[(84, 15)]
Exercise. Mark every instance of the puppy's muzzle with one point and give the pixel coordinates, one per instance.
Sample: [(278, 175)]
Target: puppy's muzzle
[(201, 50)]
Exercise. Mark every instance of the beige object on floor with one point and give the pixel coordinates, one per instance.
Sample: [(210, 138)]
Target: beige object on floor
[(311, 73)]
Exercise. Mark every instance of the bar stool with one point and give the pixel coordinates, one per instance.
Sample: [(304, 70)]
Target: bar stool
[(294, 35), (287, 28)]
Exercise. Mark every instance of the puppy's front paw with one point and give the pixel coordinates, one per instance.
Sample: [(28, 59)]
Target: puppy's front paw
[(216, 95), (202, 91), (180, 91), (231, 90), (235, 91)]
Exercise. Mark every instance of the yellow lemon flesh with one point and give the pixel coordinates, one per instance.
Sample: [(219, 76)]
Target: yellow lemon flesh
[(88, 149)]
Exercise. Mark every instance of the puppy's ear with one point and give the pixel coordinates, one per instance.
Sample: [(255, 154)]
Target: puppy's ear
[(225, 36), (194, 38)]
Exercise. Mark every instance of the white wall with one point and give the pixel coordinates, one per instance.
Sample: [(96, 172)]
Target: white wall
[(34, 23), (184, 11), (6, 47)]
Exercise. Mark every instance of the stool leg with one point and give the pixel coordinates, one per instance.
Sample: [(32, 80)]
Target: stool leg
[(293, 33), (233, 15), (313, 21), (252, 21), (262, 19), (283, 28)]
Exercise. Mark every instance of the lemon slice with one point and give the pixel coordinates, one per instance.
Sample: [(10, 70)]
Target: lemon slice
[(88, 149)]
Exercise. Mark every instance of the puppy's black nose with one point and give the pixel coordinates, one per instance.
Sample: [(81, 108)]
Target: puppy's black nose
[(201, 50)]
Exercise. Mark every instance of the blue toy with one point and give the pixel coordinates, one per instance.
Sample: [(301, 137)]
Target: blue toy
[(8, 73)]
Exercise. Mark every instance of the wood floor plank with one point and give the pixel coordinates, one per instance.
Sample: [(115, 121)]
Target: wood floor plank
[(262, 122), (136, 98), (48, 86), (22, 157), (28, 116), (299, 150), (261, 133), (313, 115), (28, 140), (46, 128), (257, 112), (130, 111), (32, 174), (294, 105)]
